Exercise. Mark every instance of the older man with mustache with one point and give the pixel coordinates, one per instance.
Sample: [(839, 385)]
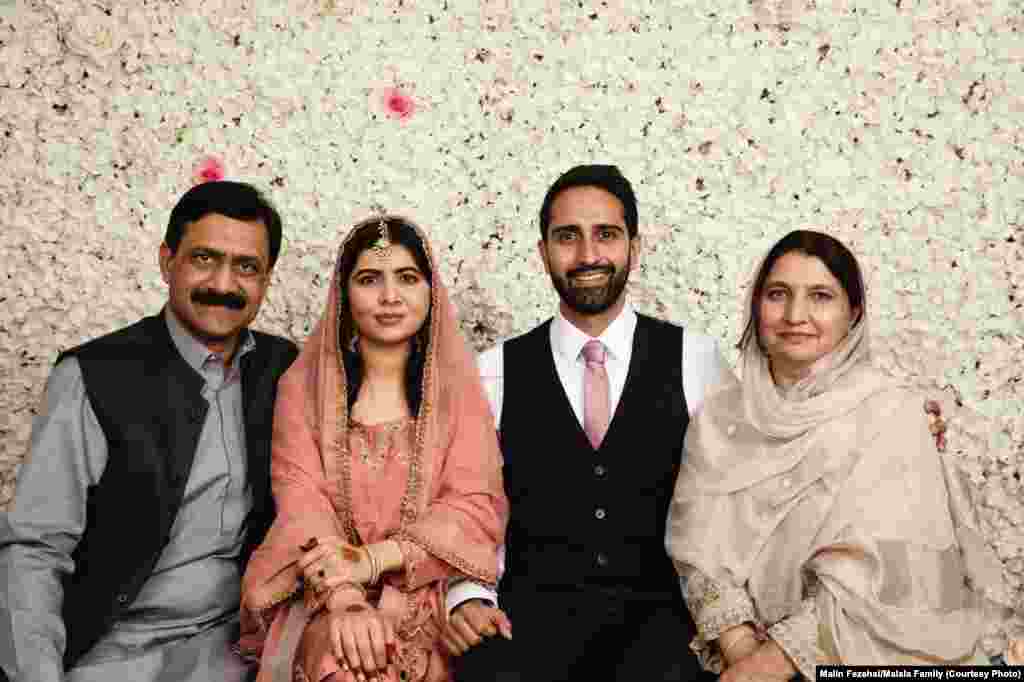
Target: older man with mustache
[(147, 484)]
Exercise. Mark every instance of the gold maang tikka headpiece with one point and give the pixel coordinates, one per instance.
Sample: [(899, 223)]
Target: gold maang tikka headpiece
[(383, 244)]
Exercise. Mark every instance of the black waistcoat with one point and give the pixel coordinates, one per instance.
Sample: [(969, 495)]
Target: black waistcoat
[(586, 517), (148, 402)]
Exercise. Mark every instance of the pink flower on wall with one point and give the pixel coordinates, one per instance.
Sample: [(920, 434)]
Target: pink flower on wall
[(209, 169), (397, 104)]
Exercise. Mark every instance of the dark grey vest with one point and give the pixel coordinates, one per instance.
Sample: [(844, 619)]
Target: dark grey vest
[(586, 517), (148, 402)]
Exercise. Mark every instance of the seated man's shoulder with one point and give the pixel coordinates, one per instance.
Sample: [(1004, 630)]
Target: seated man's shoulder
[(279, 344), (491, 360), (701, 342), (114, 344), (491, 354), (699, 346), (693, 333), (660, 321), (273, 355)]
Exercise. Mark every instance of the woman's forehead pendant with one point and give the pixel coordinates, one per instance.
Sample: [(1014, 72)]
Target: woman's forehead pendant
[(383, 244)]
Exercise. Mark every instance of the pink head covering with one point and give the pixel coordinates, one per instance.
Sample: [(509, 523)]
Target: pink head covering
[(453, 504)]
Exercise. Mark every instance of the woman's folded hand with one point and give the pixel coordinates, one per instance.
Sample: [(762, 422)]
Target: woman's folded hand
[(768, 663), (362, 638), (330, 561)]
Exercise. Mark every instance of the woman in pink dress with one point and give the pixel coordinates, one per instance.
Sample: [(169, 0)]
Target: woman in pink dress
[(386, 474)]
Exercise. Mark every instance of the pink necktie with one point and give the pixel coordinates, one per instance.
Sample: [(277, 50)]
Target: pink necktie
[(596, 408)]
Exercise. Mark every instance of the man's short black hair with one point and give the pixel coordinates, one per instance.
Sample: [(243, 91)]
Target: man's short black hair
[(608, 178), (237, 200)]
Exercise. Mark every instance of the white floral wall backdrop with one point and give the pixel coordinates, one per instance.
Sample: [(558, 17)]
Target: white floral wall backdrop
[(894, 124)]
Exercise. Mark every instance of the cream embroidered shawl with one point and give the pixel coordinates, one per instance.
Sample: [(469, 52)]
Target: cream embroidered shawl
[(836, 485)]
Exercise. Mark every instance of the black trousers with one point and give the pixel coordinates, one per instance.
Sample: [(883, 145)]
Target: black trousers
[(590, 634)]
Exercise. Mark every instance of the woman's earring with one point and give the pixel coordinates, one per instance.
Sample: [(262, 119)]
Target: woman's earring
[(353, 345)]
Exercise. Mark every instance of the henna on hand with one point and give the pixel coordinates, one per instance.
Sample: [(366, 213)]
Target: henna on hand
[(350, 554)]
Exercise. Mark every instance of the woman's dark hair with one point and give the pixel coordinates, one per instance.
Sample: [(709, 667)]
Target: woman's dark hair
[(237, 200), (608, 178), (829, 250), (366, 235)]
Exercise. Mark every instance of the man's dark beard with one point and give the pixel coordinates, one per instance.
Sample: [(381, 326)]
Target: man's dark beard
[(592, 300), (227, 299)]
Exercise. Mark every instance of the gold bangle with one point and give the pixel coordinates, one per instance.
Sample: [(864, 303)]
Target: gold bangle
[(355, 554), (374, 566)]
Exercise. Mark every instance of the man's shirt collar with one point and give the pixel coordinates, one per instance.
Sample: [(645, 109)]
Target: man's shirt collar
[(568, 340), (195, 353)]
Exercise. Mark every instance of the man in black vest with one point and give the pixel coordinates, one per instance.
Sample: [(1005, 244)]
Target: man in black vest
[(147, 484), (591, 408)]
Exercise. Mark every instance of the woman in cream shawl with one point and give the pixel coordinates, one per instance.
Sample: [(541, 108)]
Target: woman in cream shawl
[(813, 519), (386, 474)]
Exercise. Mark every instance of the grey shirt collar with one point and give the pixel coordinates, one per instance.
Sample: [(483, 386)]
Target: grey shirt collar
[(195, 353)]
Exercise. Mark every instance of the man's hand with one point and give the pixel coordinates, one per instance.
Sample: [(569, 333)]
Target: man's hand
[(470, 622), (936, 424)]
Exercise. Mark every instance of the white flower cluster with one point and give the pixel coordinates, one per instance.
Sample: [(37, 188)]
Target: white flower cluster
[(895, 126)]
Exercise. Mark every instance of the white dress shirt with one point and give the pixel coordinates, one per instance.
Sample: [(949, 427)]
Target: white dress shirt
[(703, 367)]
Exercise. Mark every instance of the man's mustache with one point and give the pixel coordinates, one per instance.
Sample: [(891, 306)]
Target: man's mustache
[(225, 299), (604, 269)]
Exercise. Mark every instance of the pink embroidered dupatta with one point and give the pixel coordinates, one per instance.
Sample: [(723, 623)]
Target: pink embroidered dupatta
[(453, 508)]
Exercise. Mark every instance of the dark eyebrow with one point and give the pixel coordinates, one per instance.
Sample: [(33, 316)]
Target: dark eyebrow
[(220, 255), (783, 285), (365, 271), (408, 268), (208, 251), (576, 228), (248, 259)]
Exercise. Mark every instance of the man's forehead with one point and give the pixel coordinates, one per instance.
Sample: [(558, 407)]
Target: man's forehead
[(587, 205), (597, 224), (228, 236)]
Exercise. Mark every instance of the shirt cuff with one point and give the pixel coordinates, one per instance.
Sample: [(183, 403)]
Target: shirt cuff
[(464, 590), (798, 636), (715, 608), (39, 671)]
